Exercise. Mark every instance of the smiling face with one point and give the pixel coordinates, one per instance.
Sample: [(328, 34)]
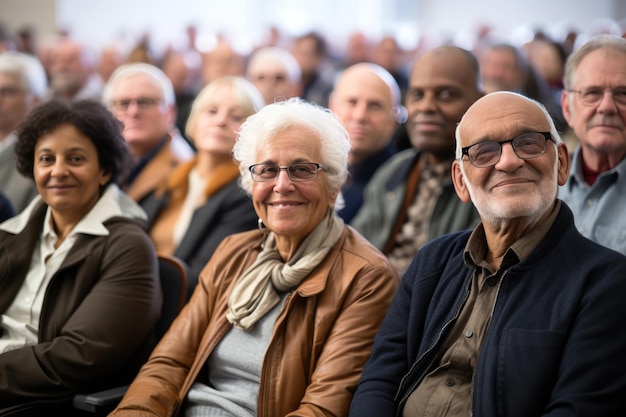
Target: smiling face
[(443, 85), (143, 128), (292, 209), (67, 172), (513, 188), (217, 123)]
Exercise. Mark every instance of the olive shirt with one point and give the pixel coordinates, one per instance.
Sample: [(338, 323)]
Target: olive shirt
[(99, 309), (447, 389)]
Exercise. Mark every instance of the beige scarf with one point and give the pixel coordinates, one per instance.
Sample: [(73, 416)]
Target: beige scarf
[(256, 292)]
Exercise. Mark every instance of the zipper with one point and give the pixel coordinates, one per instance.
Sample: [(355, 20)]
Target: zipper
[(439, 337)]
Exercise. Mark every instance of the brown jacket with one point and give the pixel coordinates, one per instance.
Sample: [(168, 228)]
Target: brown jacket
[(97, 317), (158, 169), (320, 343)]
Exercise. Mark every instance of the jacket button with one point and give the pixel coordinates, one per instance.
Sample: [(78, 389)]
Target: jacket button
[(469, 333), (450, 382), (492, 282)]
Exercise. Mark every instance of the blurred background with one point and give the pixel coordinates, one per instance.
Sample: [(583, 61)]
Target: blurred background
[(247, 24)]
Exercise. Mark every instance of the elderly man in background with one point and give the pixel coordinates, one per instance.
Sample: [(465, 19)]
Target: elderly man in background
[(142, 98), (594, 104), (276, 73), (73, 74), (23, 86), (366, 98)]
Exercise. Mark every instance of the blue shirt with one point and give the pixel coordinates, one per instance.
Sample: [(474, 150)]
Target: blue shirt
[(598, 209)]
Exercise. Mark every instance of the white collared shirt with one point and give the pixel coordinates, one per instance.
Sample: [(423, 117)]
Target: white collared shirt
[(20, 322)]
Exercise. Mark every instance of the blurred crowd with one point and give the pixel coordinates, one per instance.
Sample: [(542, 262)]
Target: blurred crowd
[(533, 66)]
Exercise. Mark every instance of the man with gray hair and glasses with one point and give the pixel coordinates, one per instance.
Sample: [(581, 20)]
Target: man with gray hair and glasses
[(23, 85), (142, 98), (594, 105)]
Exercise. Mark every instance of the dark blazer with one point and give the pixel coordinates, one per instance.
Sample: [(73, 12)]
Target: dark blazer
[(227, 211), (554, 346)]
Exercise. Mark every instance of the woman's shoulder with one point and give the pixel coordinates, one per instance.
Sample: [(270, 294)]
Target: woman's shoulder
[(362, 252)]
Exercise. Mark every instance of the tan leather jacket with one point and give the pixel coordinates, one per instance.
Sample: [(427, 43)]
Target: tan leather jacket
[(321, 339)]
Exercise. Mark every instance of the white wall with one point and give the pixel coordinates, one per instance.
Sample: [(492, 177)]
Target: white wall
[(98, 22)]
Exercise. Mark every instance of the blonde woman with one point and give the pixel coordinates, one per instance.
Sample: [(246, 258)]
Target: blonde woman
[(201, 203)]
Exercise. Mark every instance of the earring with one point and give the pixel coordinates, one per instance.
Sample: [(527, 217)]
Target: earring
[(260, 224)]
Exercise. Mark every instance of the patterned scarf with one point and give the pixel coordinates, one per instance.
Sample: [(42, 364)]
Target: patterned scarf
[(256, 292)]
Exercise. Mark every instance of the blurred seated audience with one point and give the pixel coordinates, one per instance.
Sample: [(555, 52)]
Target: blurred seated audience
[(142, 98), (201, 202), (388, 54), (179, 72), (276, 73), (504, 67), (73, 74), (283, 317), (80, 289), (310, 51)]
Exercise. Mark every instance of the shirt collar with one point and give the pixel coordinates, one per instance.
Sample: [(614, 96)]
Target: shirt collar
[(112, 203), (519, 251)]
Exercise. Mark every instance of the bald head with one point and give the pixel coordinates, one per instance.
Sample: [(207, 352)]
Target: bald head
[(444, 82), (506, 113), (366, 99)]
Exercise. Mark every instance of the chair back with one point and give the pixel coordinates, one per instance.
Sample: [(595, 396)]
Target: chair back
[(173, 275)]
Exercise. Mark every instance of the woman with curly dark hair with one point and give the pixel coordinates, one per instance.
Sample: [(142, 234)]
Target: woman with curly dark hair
[(80, 292)]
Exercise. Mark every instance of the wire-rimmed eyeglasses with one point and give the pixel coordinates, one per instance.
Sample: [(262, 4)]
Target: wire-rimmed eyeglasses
[(143, 103), (526, 146), (593, 95), (298, 172)]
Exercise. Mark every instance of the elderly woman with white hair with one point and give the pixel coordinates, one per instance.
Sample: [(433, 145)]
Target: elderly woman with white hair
[(283, 317)]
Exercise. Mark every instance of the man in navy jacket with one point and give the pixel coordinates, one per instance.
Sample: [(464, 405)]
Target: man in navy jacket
[(521, 316)]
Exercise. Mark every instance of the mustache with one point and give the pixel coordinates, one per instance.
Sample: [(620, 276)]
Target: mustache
[(609, 121)]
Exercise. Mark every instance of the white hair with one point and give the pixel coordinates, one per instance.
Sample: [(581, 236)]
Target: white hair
[(128, 70), (258, 131), (29, 69), (279, 55)]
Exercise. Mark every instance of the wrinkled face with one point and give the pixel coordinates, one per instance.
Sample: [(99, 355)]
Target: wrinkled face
[(292, 209), (272, 80), (601, 127), (67, 172), (217, 124), (363, 103), (144, 127), (14, 102), (513, 188), (441, 89), (68, 70)]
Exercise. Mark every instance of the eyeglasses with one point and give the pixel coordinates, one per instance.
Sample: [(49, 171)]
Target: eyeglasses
[(302, 171), (10, 91), (593, 95), (526, 146), (143, 103)]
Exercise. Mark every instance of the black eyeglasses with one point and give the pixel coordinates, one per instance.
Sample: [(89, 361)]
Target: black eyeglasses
[(143, 103), (302, 171), (593, 95), (526, 146)]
